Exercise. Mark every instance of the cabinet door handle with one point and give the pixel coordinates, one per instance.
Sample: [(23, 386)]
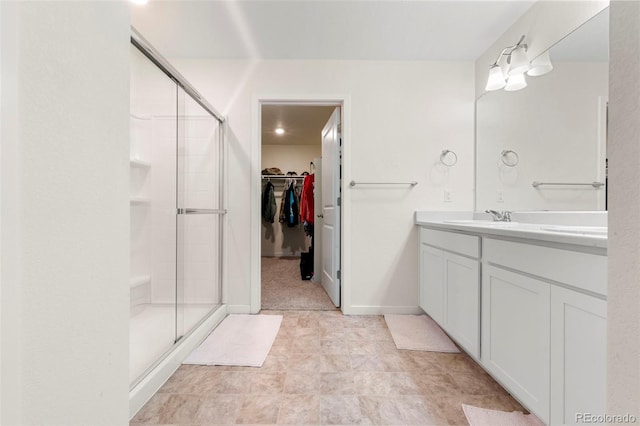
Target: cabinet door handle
[(320, 215)]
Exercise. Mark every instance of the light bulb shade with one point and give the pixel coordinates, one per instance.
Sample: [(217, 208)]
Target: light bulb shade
[(515, 82), (540, 65), (496, 79), (519, 62)]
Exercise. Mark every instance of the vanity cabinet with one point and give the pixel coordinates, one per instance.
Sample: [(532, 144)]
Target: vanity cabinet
[(450, 285), (578, 355), (544, 326), (515, 335), (532, 312)]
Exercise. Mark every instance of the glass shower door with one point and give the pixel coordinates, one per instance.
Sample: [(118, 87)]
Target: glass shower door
[(153, 104), (199, 218)]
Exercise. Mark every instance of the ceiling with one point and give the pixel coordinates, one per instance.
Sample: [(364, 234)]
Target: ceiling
[(451, 30), (446, 30), (302, 124)]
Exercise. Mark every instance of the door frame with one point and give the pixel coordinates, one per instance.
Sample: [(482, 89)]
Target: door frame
[(344, 102)]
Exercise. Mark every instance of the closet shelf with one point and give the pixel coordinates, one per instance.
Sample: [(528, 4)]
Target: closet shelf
[(140, 200), (139, 281), (140, 164)]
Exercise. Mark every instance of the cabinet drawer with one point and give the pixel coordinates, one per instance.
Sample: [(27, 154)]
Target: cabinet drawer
[(581, 270), (467, 245)]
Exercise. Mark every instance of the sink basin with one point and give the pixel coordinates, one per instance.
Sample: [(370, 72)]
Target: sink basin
[(583, 230), (482, 223)]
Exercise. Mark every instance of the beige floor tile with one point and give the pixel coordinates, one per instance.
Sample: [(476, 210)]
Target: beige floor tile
[(300, 410), (366, 362), (417, 410), (180, 409), (233, 382), (331, 363), (221, 409), (326, 368), (337, 383), (275, 362), (380, 410), (267, 383), (373, 383), (334, 347), (340, 410), (259, 409), (304, 362), (308, 345), (302, 383)]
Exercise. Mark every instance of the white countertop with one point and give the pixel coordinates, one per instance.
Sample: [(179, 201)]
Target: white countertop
[(578, 228)]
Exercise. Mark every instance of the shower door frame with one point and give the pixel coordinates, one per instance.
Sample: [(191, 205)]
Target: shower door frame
[(165, 366)]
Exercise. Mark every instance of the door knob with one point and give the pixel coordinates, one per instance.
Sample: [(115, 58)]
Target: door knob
[(320, 215)]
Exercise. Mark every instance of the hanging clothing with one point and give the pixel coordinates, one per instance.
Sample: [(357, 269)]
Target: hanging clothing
[(289, 208), (268, 202), (306, 200)]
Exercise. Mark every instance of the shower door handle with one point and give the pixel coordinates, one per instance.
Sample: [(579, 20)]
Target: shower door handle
[(202, 211)]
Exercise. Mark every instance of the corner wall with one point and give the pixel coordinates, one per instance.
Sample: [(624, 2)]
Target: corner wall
[(623, 333), (65, 213), (402, 115)]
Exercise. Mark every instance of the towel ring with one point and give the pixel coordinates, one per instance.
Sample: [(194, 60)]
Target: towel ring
[(505, 154), (448, 160)]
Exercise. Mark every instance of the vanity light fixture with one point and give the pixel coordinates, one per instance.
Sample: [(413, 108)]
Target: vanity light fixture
[(507, 72), (515, 82), (518, 61), (279, 131), (540, 65)]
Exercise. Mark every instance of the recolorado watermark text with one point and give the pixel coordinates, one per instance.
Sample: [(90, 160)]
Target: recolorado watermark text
[(605, 418)]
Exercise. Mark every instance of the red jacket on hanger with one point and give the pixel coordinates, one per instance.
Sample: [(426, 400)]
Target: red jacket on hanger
[(306, 200)]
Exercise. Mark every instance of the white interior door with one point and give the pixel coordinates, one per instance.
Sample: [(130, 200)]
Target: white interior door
[(331, 146), (317, 235)]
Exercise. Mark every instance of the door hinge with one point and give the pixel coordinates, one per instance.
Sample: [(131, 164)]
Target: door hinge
[(339, 201), (339, 274)]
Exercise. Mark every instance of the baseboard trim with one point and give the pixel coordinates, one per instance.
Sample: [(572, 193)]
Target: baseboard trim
[(381, 310), (239, 309), (143, 391)]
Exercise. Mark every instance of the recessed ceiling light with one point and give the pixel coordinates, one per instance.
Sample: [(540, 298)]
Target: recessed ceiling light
[(139, 2), (279, 131)]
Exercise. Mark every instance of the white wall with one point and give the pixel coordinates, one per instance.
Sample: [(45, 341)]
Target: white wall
[(556, 126), (623, 381), (403, 114), (65, 213), (544, 24), (278, 239)]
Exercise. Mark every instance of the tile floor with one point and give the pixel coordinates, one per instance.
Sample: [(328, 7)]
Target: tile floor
[(327, 368)]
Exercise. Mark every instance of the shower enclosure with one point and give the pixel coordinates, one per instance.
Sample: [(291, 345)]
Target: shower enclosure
[(176, 209)]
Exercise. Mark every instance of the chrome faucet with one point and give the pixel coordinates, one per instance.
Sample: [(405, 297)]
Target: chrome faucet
[(500, 215)]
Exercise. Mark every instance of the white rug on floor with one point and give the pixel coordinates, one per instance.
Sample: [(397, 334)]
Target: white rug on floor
[(484, 417), (418, 333), (243, 340)]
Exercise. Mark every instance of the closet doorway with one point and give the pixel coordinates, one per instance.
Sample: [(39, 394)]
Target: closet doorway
[(300, 212)]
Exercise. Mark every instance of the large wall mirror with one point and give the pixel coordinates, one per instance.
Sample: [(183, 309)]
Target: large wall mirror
[(552, 132)]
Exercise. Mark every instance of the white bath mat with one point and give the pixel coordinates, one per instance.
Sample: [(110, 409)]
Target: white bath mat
[(243, 340), (484, 417), (418, 333)]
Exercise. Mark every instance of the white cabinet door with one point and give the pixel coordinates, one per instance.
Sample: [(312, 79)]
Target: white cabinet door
[(578, 355), (432, 282), (462, 301), (515, 335)]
